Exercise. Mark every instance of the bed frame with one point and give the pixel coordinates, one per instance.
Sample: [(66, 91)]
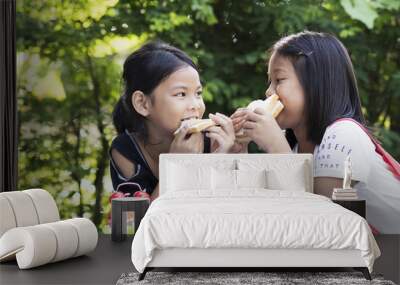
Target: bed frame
[(246, 258), (242, 259)]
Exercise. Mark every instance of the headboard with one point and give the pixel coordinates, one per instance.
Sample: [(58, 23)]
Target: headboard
[(282, 164)]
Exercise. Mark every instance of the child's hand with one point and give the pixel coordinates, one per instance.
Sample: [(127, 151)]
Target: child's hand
[(238, 119), (263, 129), (184, 143), (239, 147), (222, 136), (242, 142)]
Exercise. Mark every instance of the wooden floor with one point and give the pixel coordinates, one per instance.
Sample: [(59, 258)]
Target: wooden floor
[(111, 259)]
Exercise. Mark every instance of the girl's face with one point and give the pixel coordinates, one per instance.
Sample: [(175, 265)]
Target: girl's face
[(177, 98), (284, 82)]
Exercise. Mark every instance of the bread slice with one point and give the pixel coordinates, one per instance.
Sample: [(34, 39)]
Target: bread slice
[(268, 104), (201, 125), (196, 125)]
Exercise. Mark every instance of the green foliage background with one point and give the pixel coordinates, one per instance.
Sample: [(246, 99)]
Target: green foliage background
[(70, 56)]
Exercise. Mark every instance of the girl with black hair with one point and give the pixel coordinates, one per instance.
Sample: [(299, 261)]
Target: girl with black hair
[(162, 89), (314, 78)]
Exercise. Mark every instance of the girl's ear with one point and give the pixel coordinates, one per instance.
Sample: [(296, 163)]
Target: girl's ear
[(141, 103)]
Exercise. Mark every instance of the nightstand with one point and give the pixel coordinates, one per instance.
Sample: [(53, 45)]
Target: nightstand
[(120, 208), (357, 206)]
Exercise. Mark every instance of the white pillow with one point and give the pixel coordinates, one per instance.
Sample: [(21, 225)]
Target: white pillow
[(251, 178), (223, 179), (293, 180), (282, 173), (228, 179), (188, 177)]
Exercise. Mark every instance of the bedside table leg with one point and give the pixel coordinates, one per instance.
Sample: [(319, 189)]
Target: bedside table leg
[(116, 222), (364, 271), (140, 211)]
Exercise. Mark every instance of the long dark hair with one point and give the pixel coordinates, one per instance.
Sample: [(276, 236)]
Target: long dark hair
[(143, 71), (325, 72)]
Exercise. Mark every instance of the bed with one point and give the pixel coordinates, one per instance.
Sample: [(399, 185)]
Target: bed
[(247, 210)]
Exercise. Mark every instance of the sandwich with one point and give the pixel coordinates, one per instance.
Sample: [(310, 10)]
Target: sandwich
[(196, 125), (272, 105)]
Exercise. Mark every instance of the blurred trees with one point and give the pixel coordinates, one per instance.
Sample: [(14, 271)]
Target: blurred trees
[(70, 56)]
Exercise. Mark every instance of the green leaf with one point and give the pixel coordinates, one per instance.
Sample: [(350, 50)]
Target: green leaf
[(387, 4), (361, 10)]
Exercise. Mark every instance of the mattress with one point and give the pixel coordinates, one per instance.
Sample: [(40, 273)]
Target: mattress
[(250, 219)]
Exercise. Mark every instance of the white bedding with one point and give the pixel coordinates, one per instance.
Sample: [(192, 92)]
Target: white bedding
[(252, 218)]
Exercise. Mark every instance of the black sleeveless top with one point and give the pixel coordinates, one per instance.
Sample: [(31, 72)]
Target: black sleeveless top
[(143, 179)]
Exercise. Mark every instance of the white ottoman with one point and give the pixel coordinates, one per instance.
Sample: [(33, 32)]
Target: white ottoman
[(31, 231)]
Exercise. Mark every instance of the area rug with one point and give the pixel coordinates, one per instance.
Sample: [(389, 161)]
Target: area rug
[(229, 278)]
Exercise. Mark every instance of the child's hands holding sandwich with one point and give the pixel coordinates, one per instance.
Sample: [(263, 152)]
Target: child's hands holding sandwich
[(189, 137), (186, 141), (257, 123), (222, 134), (261, 127)]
